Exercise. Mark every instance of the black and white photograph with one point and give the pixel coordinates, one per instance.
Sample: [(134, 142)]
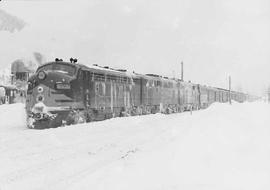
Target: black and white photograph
[(134, 94)]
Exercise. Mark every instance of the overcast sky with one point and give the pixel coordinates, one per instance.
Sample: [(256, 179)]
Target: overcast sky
[(214, 38)]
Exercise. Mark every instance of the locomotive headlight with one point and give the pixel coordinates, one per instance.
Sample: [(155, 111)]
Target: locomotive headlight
[(40, 98), (41, 75), (40, 89)]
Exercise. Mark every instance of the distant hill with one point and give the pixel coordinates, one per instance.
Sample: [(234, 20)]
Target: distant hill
[(10, 23)]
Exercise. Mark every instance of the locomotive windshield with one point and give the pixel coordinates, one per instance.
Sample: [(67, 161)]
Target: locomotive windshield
[(59, 67)]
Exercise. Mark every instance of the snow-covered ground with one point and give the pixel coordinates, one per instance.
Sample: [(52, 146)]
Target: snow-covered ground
[(222, 147)]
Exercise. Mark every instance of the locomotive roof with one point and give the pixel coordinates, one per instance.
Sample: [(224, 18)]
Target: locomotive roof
[(94, 68), (97, 68), (100, 69)]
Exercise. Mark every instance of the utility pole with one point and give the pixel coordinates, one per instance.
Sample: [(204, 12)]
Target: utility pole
[(182, 71), (230, 97), (268, 93)]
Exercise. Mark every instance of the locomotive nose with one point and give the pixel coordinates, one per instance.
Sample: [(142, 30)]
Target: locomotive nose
[(39, 108)]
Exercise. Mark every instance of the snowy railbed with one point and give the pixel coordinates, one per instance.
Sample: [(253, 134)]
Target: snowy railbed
[(222, 147)]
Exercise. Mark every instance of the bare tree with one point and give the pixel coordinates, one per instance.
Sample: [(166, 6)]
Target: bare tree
[(10, 23), (39, 58)]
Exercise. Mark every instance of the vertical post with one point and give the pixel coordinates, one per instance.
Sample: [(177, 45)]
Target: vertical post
[(230, 98), (182, 71), (268, 93)]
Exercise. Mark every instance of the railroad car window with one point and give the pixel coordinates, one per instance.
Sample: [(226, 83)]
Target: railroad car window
[(152, 83), (147, 84)]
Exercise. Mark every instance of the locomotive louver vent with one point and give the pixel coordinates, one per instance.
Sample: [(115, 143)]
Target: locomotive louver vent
[(122, 70), (153, 75)]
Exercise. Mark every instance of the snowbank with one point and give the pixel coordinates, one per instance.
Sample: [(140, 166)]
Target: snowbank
[(12, 117), (223, 147)]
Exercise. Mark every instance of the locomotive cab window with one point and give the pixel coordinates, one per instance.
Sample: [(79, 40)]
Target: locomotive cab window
[(58, 67)]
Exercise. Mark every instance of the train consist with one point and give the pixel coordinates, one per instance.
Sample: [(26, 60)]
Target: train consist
[(64, 93)]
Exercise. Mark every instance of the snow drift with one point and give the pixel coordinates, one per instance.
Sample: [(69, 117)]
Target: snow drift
[(223, 147)]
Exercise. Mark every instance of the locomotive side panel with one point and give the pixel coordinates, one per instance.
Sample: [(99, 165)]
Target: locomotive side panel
[(211, 96), (136, 92), (187, 95), (203, 96), (196, 94), (156, 91)]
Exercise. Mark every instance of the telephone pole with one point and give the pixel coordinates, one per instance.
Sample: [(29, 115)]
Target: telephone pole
[(268, 93), (182, 71), (230, 97)]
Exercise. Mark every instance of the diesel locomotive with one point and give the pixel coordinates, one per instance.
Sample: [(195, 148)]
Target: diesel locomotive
[(63, 93)]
